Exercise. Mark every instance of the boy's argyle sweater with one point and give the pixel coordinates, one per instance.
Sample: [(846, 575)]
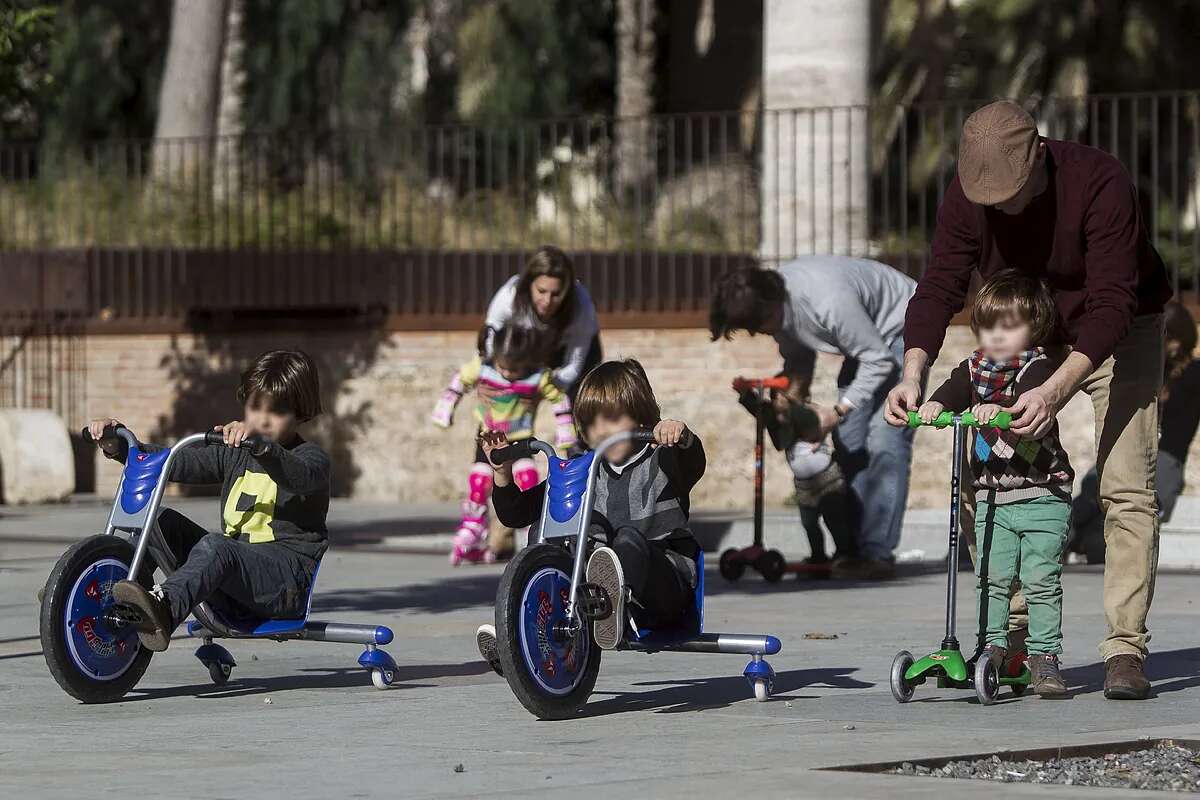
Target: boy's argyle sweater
[(1007, 468)]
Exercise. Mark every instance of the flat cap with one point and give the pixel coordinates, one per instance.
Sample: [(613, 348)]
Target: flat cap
[(997, 152)]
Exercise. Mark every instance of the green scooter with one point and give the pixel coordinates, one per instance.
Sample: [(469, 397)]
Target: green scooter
[(947, 665)]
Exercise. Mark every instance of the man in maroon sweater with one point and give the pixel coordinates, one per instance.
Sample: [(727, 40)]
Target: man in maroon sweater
[(1069, 215)]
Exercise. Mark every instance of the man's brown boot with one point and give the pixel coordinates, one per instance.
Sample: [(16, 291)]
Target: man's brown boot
[(1124, 679)]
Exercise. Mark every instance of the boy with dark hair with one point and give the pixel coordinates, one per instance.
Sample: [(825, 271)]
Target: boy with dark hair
[(1022, 485), (274, 502)]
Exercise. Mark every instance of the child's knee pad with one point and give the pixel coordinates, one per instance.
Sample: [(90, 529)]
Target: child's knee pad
[(480, 483), (525, 474)]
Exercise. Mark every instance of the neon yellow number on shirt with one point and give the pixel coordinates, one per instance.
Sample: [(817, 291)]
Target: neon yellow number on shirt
[(254, 522)]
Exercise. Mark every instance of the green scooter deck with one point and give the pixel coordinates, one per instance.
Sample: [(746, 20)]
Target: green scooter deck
[(952, 671)]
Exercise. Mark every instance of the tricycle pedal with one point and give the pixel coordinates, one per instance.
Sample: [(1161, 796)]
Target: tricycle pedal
[(592, 602)]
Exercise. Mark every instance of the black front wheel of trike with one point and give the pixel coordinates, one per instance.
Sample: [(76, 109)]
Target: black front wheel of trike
[(94, 656), (551, 676)]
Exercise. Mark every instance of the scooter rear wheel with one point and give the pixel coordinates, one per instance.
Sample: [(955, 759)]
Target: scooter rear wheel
[(552, 678), (902, 688), (93, 659), (731, 564), (771, 565)]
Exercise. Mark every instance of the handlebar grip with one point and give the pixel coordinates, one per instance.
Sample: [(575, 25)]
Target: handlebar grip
[(1001, 421), (254, 442), (642, 437), (110, 443), (780, 382), (514, 451)]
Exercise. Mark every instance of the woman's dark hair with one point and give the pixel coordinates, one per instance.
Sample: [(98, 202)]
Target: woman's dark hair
[(1009, 292), (551, 262), (615, 388), (1181, 328), (520, 348), (286, 380), (745, 300)]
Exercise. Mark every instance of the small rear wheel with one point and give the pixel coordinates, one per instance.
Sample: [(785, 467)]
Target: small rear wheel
[(92, 654), (771, 565), (551, 676), (761, 690), (731, 564), (902, 687), (382, 678), (987, 681), (219, 673)]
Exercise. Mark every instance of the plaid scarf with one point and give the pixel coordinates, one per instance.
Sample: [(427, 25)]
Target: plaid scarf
[(993, 380)]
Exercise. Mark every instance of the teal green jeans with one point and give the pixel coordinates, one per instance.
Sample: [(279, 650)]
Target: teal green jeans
[(1022, 541)]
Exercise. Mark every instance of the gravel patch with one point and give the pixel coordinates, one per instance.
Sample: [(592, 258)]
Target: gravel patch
[(1167, 767)]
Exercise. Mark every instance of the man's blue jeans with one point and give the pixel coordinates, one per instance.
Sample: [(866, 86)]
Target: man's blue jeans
[(876, 458)]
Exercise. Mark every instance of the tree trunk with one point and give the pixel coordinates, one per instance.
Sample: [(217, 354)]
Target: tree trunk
[(635, 94), (188, 99), (816, 67), (227, 173)]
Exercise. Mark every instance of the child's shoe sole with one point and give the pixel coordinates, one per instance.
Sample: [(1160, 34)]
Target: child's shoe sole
[(603, 569), (154, 626), (485, 640)]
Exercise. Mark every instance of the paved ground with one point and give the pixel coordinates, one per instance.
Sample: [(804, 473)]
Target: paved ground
[(668, 725)]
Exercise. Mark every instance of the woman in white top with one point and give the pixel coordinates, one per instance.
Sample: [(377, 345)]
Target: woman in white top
[(546, 297)]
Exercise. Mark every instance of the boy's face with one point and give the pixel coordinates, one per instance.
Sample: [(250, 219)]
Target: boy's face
[(278, 426), (603, 427), (1006, 338), (511, 371)]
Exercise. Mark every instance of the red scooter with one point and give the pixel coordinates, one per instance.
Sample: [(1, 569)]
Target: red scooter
[(769, 563)]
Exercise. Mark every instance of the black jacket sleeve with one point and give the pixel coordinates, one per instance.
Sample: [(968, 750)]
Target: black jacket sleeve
[(304, 469), (956, 393), (516, 509), (1035, 375), (684, 465)]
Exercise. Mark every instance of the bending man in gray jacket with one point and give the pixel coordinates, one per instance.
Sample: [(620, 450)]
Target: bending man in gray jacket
[(854, 307)]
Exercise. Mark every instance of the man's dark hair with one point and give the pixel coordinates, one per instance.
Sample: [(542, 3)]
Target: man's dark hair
[(745, 300), (286, 380)]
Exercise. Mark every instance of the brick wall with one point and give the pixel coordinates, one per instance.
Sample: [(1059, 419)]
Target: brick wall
[(380, 389)]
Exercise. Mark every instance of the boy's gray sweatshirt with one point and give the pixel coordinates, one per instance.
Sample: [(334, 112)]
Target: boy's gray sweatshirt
[(849, 306)]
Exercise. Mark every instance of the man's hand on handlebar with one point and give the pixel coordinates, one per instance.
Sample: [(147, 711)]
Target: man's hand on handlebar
[(96, 427), (904, 397)]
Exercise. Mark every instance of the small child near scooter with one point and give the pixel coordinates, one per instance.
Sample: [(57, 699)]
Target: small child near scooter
[(820, 484), (1022, 486), (520, 380)]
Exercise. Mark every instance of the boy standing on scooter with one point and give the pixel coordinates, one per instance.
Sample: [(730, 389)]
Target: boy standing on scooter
[(1022, 486), (274, 502)]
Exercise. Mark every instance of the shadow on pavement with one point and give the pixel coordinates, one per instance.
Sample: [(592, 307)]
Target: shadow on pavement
[(476, 586), (352, 534), (1168, 671), (342, 677), (752, 583), (710, 693)]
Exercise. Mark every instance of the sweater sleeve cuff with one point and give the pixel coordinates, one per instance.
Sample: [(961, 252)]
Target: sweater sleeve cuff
[(1096, 345)]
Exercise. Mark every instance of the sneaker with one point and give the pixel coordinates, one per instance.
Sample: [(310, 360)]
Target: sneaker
[(1047, 681), (864, 569), (604, 570), (1125, 679), (489, 650), (475, 555), (154, 624), (813, 567), (995, 653)]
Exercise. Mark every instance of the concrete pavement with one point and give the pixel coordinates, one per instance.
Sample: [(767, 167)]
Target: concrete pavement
[(667, 725)]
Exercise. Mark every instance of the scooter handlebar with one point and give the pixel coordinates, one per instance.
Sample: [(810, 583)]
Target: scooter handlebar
[(514, 451), (1001, 421), (778, 382)]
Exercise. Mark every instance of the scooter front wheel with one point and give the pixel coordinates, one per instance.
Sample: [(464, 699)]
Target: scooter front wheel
[(552, 676), (731, 564), (987, 681), (90, 652), (902, 688)]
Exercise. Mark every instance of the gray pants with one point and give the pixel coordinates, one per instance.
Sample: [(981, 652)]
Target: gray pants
[(238, 579), (875, 458)]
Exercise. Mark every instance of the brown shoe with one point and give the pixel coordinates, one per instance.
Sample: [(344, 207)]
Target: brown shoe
[(863, 569), (1124, 679), (1047, 681), (994, 653)]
